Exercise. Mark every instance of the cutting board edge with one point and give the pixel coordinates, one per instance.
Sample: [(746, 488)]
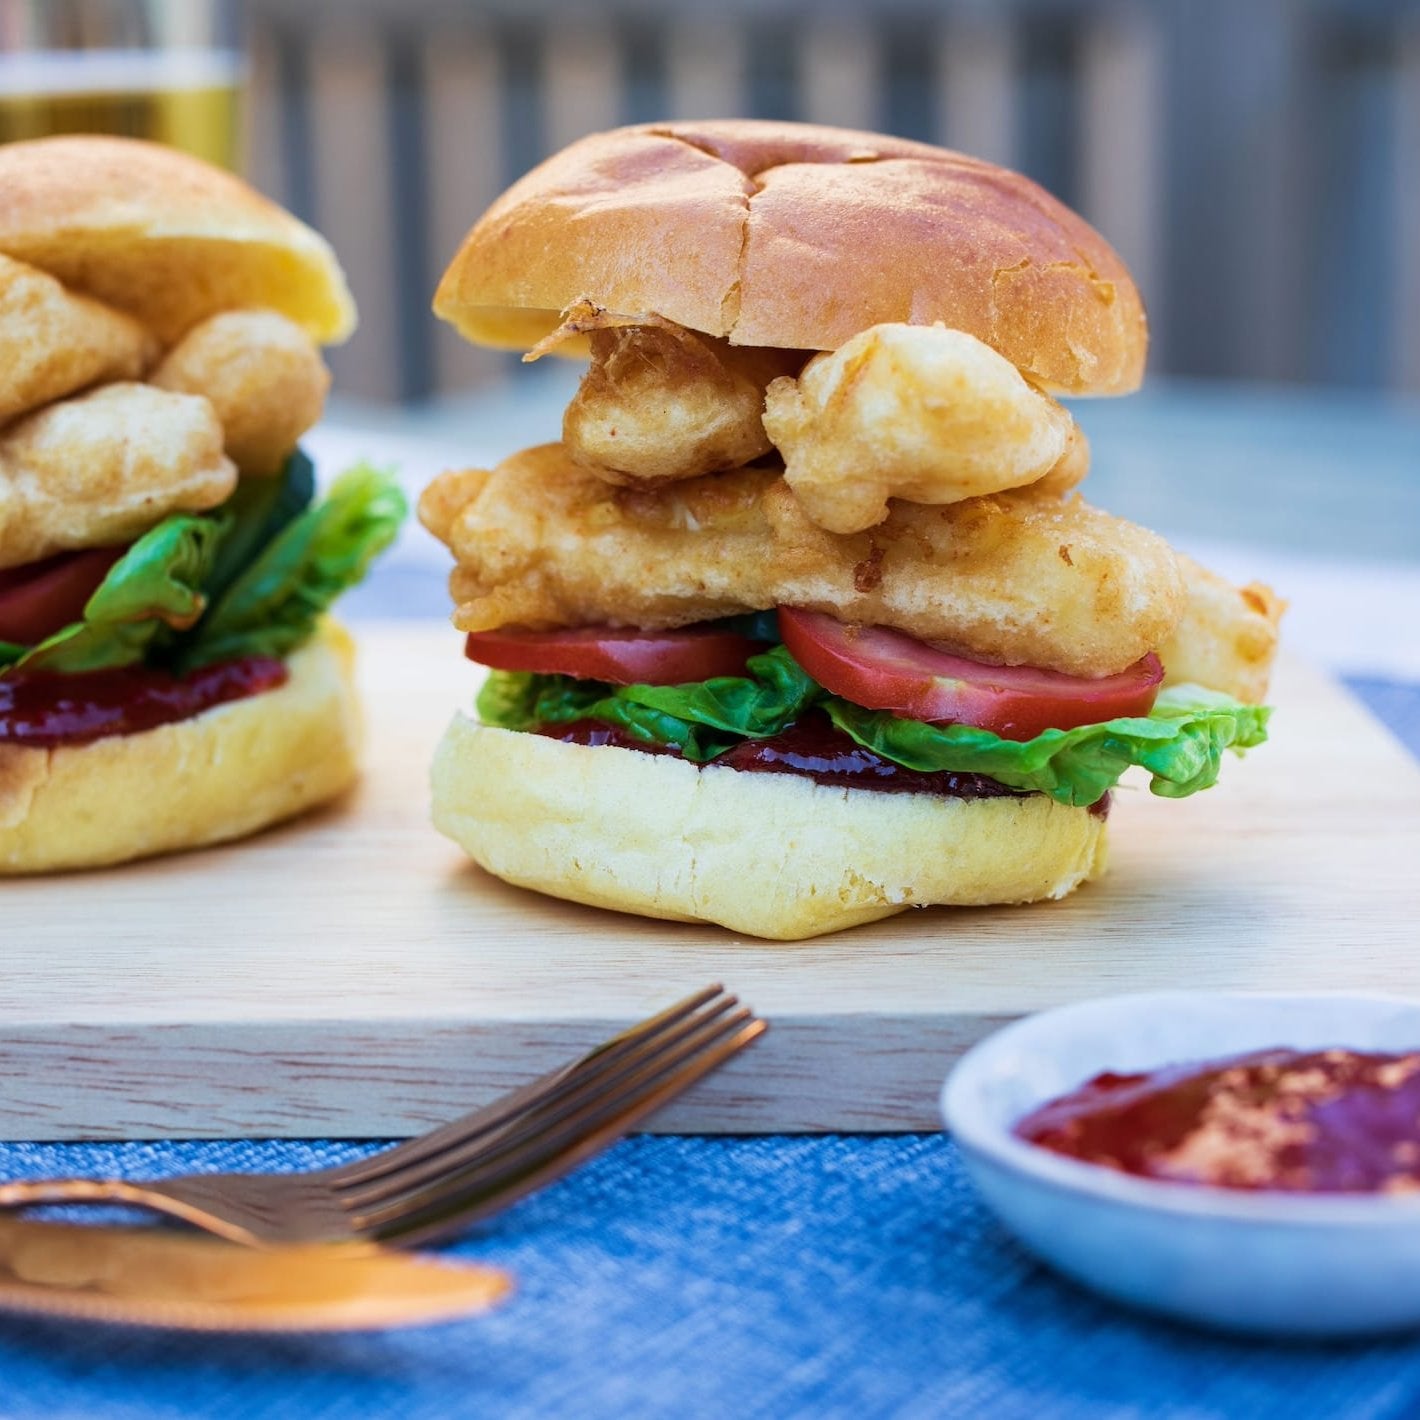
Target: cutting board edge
[(298, 1079)]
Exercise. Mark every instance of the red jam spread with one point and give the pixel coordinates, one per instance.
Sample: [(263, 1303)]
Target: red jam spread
[(1319, 1121), (818, 750), (593, 732), (47, 709)]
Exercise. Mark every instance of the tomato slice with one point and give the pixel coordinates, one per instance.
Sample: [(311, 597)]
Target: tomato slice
[(36, 600), (882, 669), (621, 656)]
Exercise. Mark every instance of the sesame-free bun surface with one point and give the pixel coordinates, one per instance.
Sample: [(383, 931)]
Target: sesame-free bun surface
[(800, 236), (223, 774), (769, 855), (164, 236)]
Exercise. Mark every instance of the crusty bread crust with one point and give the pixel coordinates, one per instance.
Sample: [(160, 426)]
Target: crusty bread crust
[(769, 855), (800, 236), (220, 775), (164, 236)]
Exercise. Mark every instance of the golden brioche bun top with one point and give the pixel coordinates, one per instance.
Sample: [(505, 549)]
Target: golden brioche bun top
[(164, 236), (800, 236)]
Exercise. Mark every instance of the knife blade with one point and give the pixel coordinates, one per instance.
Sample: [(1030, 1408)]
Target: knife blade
[(151, 1276)]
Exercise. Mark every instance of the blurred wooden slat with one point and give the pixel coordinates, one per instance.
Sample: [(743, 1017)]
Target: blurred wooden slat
[(353, 200), (407, 128), (581, 80), (264, 114), (1273, 199), (1120, 139), (976, 65), (1406, 177), (773, 67), (706, 68), (1219, 145), (1236, 225), (461, 75), (643, 97), (909, 78), (1349, 274), (1047, 103), (840, 71)]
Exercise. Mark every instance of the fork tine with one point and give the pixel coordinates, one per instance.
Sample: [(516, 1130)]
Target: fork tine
[(442, 1213), (688, 1035), (499, 1111)]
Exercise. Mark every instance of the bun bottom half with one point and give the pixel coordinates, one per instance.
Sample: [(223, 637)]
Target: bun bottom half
[(767, 855), (223, 774)]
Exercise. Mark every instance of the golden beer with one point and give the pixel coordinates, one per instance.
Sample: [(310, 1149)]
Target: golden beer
[(190, 99)]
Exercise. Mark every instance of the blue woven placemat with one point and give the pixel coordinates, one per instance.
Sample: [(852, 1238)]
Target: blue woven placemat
[(715, 1277), (837, 1275)]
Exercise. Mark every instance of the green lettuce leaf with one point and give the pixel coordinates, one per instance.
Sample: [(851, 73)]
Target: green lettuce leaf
[(258, 510), (703, 718), (1180, 742), (517, 700), (275, 602), (153, 590), (251, 578)]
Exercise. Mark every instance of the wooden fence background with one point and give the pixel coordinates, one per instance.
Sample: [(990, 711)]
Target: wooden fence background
[(1257, 162)]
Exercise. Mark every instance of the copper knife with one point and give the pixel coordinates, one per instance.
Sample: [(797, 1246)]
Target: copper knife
[(151, 1276)]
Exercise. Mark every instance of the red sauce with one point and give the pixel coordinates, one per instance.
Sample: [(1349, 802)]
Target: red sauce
[(817, 750), (593, 732), (45, 709), (1321, 1121)]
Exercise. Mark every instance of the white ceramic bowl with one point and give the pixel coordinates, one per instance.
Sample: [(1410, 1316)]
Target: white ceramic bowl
[(1273, 1264)]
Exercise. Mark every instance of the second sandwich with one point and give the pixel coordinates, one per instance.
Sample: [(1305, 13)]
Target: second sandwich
[(167, 675)]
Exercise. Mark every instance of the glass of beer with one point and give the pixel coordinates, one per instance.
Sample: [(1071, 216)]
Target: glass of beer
[(166, 70)]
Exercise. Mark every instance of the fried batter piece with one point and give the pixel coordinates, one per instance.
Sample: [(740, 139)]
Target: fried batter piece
[(660, 402), (100, 469), (1069, 472), (1227, 636), (918, 412), (53, 342), (262, 374), (1020, 578)]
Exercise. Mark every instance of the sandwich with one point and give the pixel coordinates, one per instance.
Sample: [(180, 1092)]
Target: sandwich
[(805, 620), (168, 677)]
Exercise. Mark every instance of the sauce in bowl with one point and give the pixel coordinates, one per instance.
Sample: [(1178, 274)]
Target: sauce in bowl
[(1316, 1121)]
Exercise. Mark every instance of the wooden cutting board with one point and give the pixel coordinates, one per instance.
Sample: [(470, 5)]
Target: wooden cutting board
[(352, 974)]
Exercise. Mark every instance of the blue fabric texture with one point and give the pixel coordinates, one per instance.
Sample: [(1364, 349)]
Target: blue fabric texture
[(827, 1276), (1395, 703), (708, 1277)]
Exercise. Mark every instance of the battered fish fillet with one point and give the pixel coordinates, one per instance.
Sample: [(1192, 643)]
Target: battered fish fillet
[(1017, 578), (53, 342), (918, 412), (99, 470), (1227, 636), (262, 374), (660, 402)]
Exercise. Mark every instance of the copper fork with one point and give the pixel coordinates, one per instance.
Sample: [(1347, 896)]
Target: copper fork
[(429, 1188)]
